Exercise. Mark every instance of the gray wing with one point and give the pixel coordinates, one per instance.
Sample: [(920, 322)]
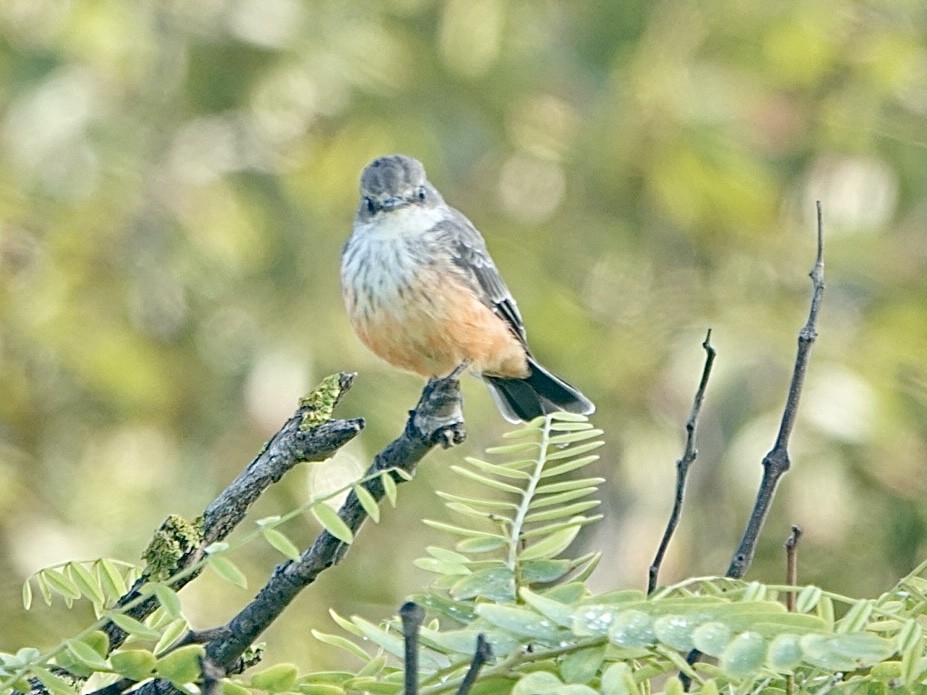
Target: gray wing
[(469, 253)]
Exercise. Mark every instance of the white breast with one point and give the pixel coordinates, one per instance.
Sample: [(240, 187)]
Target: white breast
[(383, 260)]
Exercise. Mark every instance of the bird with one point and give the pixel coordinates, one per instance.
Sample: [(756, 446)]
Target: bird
[(422, 292)]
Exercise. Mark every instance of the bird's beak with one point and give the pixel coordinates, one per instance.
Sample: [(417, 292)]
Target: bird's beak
[(394, 202)]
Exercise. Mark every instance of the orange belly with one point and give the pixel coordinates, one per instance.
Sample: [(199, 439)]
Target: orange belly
[(435, 326)]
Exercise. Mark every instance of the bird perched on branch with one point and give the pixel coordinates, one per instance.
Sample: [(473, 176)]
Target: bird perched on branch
[(423, 293)]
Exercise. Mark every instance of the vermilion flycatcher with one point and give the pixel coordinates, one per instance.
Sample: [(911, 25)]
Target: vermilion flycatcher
[(422, 293)]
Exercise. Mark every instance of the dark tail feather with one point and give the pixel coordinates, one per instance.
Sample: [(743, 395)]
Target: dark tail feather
[(539, 393)]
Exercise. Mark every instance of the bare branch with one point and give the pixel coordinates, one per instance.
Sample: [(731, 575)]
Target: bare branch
[(412, 615), (437, 419), (482, 654), (682, 465), (791, 564), (776, 462), (294, 443)]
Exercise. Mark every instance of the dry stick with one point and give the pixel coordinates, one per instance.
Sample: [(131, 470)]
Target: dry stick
[(791, 564), (437, 419), (482, 654), (682, 465), (412, 616), (776, 462), (291, 445)]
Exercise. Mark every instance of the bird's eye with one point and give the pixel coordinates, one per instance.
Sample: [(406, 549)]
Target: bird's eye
[(421, 193), (371, 205)]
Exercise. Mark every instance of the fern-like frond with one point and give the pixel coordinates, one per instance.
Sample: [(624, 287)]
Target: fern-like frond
[(533, 506)]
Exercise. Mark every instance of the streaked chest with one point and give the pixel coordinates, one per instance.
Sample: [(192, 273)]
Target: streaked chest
[(390, 264)]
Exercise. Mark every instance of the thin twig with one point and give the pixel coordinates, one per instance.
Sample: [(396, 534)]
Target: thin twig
[(791, 564), (682, 465), (437, 419), (776, 462), (482, 654), (291, 445), (412, 616)]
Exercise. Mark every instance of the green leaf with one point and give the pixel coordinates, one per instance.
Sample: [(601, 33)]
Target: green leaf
[(856, 618), (483, 543), (784, 654), (712, 638), (86, 583), (460, 530), (503, 471), (27, 594), (182, 665), (368, 502), (516, 448), (275, 679), (60, 583), (571, 465), (576, 436), (54, 684), (845, 652), (519, 621), (131, 626), (619, 680), (332, 523), (488, 482), (390, 642), (390, 490), (561, 511), (566, 485), (484, 503), (110, 578), (170, 634), (135, 664), (573, 451), (744, 655), (228, 570), (550, 546), (808, 599), (675, 631), (627, 628), (281, 543), (559, 613), (431, 564), (44, 588), (545, 571), (439, 553), (168, 599), (493, 583), (563, 416), (582, 665), (86, 655), (561, 497), (467, 510), (341, 643)]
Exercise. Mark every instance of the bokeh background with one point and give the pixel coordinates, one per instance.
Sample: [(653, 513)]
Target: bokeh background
[(177, 179)]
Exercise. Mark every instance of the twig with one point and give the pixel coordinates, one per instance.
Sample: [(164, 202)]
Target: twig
[(294, 443), (437, 419), (482, 654), (776, 462), (682, 465), (412, 615), (791, 564)]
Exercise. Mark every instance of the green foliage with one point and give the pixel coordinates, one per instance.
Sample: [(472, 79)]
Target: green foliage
[(510, 578), (507, 578)]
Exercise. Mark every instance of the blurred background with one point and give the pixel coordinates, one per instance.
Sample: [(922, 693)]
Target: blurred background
[(177, 180)]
